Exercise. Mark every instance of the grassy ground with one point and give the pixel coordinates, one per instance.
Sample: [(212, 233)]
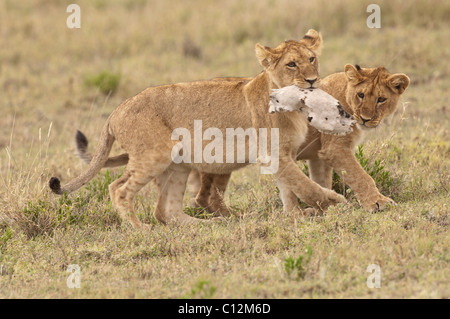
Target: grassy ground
[(53, 81)]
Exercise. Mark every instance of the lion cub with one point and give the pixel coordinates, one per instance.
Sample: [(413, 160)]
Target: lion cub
[(144, 125), (370, 95)]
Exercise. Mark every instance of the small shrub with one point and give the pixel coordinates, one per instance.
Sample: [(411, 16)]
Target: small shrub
[(191, 49), (377, 171), (99, 187), (203, 290), (105, 81), (70, 210), (43, 216), (37, 218), (381, 176), (298, 267), (5, 237)]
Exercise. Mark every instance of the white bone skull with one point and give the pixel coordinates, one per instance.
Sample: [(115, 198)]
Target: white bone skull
[(323, 111)]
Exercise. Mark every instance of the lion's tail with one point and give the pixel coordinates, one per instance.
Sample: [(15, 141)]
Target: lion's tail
[(82, 150), (98, 161)]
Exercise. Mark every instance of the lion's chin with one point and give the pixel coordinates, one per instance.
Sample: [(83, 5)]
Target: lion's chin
[(363, 127)]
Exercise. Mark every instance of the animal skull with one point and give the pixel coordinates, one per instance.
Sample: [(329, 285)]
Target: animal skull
[(323, 111)]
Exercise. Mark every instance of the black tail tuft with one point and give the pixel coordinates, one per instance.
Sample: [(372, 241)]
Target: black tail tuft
[(81, 140), (55, 185)]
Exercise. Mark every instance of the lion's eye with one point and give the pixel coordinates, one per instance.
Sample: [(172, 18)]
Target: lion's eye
[(312, 59), (292, 64), (381, 100), (361, 95)]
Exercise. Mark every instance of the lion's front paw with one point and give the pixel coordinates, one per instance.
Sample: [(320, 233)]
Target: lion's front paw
[(311, 212), (331, 198), (377, 203), (335, 198)]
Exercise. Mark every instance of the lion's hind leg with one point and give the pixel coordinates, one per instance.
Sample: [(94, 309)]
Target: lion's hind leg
[(202, 198), (216, 199), (136, 175), (320, 172), (211, 193), (194, 184), (171, 188)]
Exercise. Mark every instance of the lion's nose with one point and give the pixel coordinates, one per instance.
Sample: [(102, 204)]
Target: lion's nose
[(311, 81), (364, 120)]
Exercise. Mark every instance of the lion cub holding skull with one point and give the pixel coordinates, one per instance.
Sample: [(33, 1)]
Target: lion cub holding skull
[(144, 125), (370, 95)]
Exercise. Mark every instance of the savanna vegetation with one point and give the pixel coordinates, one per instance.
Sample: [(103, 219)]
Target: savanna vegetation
[(55, 80)]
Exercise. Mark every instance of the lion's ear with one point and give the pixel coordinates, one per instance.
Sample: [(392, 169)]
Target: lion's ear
[(265, 55), (352, 73), (313, 41), (398, 82)]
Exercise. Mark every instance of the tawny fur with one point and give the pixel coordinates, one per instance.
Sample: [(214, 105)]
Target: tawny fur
[(324, 152), (144, 123)]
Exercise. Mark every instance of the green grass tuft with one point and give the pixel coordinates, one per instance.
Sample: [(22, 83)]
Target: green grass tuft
[(105, 81), (202, 289), (298, 267)]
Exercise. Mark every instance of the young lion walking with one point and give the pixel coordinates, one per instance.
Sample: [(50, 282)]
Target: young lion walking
[(143, 126)]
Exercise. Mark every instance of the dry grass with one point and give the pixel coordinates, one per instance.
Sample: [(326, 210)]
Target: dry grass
[(44, 98)]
